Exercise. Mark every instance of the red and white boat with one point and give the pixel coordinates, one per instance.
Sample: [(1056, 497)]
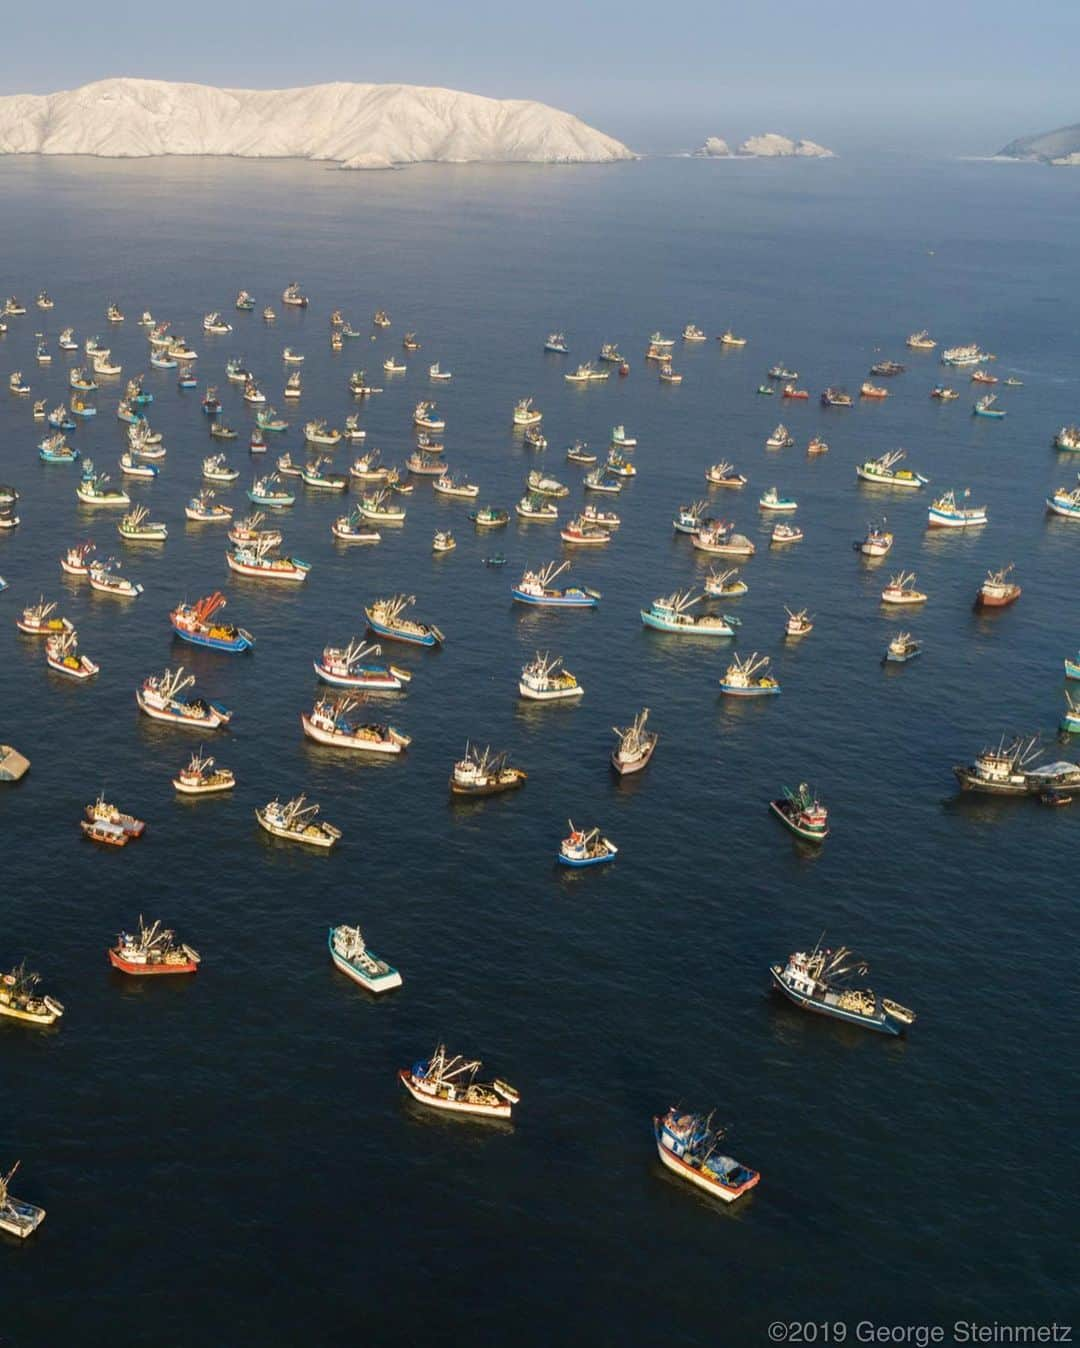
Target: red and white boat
[(76, 561), (37, 621), (254, 560), (997, 591), (102, 811), (688, 1146), (343, 667), (152, 950)]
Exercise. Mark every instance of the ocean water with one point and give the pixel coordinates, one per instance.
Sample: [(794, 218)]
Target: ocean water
[(229, 1159)]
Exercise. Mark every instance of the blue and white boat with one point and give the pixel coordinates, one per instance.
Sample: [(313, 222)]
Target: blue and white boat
[(344, 667), (161, 697), (744, 678), (985, 407), (688, 1145), (556, 341), (583, 848), (535, 588), (902, 648), (690, 518), (351, 955), (944, 513), (270, 491), (1065, 502), (671, 613), (818, 981), (60, 419), (386, 618), (196, 623), (55, 449)]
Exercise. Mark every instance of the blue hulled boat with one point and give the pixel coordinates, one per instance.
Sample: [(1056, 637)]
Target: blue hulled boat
[(583, 848), (194, 623), (535, 588)]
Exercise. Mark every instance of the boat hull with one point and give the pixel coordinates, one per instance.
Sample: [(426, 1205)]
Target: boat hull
[(342, 740), (381, 681), (553, 600), (502, 1110), (211, 721), (552, 694), (396, 634), (242, 642), (806, 834)]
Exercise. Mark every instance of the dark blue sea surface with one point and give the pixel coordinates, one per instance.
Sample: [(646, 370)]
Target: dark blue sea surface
[(229, 1159)]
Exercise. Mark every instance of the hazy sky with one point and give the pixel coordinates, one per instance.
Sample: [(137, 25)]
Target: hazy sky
[(959, 77)]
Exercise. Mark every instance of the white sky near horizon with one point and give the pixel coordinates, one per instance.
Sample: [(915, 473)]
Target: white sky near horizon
[(958, 78)]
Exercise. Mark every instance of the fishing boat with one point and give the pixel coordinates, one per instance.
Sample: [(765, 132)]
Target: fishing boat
[(819, 981), (964, 355), (75, 562), (766, 390), (294, 297), (152, 950), (446, 485), (256, 561), (381, 319), (425, 465), (103, 364), (367, 468), (42, 354), (162, 360), (888, 368), (1001, 770), (113, 314), (983, 377), (271, 491), (725, 585), (618, 466), (594, 518), (921, 341), (536, 508), (718, 537), (621, 440), (556, 342), (429, 443), (671, 613), (803, 813), (584, 374), (793, 393), (579, 533), (353, 528), (434, 372), (316, 474), (449, 1083), (635, 746), (837, 397), (669, 376), (215, 324), (244, 301), (902, 648), (1070, 719), (392, 366), (20, 1000), (585, 847), (202, 777), (781, 438), (62, 655), (490, 517), (351, 955), (544, 679), (540, 484), (41, 620), (943, 393), (197, 623), (161, 697), (578, 453), (771, 499), (1065, 502), (443, 541), (1067, 438), (359, 387), (723, 474), (287, 468), (692, 333), (16, 384), (80, 380), (610, 352), (901, 590), (386, 618), (44, 300), (316, 433), (535, 438), (204, 509), (257, 442), (997, 591), (344, 667), (815, 445), (728, 338), (58, 419), (745, 677), (799, 623), (13, 765), (104, 576), (423, 419), (352, 430), (82, 409), (66, 341), (785, 533), (17, 1217), (297, 821), (483, 773), (876, 542), (267, 419), (782, 372), (379, 507), (250, 530), (55, 449), (328, 723), (94, 488), (525, 414), (872, 391), (132, 466), (211, 403), (535, 587), (126, 412), (986, 407), (688, 1145), (220, 431), (883, 472), (944, 513), (216, 468), (598, 480), (291, 357)]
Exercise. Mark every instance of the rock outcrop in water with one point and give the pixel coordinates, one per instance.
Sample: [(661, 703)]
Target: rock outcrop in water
[(772, 146), (715, 148), (355, 125), (1051, 147)]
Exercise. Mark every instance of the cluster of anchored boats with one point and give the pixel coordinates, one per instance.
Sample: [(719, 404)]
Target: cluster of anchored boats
[(824, 981)]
